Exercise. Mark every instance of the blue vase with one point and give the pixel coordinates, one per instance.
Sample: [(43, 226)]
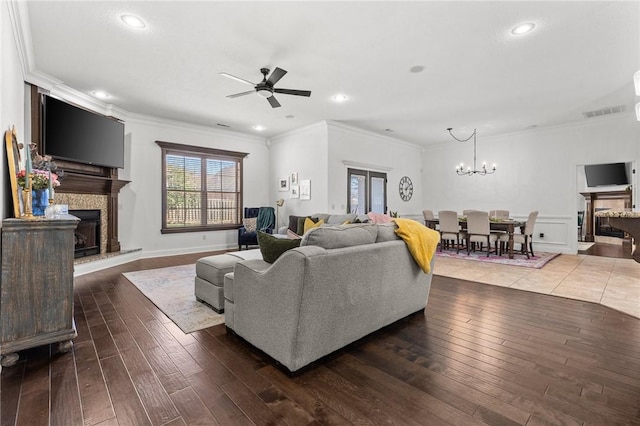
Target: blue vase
[(39, 201)]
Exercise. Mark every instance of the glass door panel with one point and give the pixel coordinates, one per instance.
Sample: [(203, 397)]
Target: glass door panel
[(357, 193), (378, 192)]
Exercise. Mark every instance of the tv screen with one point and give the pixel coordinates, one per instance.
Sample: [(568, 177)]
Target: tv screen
[(606, 174), (72, 133)]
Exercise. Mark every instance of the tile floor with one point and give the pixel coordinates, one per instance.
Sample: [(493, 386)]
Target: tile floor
[(609, 281)]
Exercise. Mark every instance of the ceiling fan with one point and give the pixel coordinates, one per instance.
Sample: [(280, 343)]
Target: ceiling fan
[(265, 88)]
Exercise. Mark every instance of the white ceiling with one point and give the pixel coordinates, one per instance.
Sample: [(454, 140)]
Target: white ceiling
[(581, 57)]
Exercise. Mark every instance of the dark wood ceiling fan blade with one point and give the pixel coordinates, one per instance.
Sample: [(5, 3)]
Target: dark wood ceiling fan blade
[(275, 76), (273, 101), (241, 94), (293, 92), (233, 77)]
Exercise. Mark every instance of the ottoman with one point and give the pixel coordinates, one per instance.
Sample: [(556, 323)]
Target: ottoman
[(210, 272)]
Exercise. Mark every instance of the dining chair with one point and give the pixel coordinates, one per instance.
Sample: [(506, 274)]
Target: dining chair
[(450, 229), (479, 232), (499, 214), (466, 212), (525, 239), (428, 215)]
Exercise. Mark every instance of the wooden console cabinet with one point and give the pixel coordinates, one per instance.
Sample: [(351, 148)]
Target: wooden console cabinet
[(36, 291)]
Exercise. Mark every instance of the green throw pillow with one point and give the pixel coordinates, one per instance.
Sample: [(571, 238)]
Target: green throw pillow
[(272, 247)]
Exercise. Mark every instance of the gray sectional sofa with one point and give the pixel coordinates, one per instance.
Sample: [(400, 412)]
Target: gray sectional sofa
[(340, 285)]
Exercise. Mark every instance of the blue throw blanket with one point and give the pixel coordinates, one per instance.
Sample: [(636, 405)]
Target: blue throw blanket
[(266, 218)]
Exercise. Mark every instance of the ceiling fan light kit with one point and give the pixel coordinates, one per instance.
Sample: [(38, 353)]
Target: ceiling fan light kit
[(265, 88)]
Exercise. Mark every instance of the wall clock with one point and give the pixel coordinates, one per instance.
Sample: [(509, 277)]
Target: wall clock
[(406, 188)]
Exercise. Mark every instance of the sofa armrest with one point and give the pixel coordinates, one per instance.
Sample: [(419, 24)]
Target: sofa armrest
[(267, 301)]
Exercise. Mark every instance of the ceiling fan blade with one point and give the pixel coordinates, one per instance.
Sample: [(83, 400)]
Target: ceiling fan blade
[(273, 101), (293, 92), (275, 76), (241, 94), (233, 77)]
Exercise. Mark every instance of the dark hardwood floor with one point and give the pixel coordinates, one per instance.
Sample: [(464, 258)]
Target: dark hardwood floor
[(479, 354), (608, 250)]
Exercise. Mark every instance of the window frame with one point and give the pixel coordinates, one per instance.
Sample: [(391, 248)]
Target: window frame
[(169, 148)]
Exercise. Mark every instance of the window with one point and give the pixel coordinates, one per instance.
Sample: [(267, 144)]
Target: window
[(201, 188), (367, 191)]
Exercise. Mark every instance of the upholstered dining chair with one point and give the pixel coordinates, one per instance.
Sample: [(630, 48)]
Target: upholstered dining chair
[(428, 215), (466, 212), (479, 232), (499, 214), (450, 229), (525, 239)]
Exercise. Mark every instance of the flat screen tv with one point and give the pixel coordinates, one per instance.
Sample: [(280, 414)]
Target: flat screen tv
[(606, 174), (75, 134)]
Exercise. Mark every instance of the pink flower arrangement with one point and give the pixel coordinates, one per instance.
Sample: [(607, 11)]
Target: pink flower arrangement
[(40, 179)]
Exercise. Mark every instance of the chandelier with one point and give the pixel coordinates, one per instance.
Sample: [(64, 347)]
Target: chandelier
[(460, 168)]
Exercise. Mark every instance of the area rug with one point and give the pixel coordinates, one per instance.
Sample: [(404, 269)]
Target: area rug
[(171, 290), (537, 261)]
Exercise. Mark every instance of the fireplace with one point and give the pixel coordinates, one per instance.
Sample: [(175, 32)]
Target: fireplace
[(87, 237), (603, 228)]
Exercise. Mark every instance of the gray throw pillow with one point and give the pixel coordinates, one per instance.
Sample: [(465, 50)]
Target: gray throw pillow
[(272, 247), (337, 237)]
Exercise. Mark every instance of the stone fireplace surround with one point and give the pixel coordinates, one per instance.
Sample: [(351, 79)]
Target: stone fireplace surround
[(89, 202)]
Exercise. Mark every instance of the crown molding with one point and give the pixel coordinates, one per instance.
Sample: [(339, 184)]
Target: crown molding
[(181, 125), (353, 129), (303, 129)]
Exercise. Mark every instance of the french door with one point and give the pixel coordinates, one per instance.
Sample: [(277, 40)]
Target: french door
[(367, 191)]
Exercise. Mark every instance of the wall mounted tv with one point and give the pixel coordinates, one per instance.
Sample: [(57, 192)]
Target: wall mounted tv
[(75, 134), (606, 174)]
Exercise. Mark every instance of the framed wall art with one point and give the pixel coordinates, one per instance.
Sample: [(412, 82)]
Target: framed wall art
[(305, 189), (295, 191), (283, 184), (294, 178)]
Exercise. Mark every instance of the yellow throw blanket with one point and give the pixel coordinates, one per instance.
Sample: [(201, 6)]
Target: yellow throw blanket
[(421, 241)]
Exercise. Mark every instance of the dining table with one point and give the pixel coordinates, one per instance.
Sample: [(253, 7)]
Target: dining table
[(506, 225)]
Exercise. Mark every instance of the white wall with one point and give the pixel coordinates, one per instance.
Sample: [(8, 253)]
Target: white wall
[(537, 170), (350, 147), (322, 153), (303, 151), (140, 216), (12, 99)]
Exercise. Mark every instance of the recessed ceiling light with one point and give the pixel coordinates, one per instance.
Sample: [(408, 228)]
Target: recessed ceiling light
[(289, 116), (523, 28), (101, 94), (133, 21), (259, 127), (339, 98), (416, 69)]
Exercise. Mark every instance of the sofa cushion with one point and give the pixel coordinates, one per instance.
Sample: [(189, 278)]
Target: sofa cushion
[(272, 247), (378, 217), (309, 224), (293, 224), (387, 232), (323, 216), (250, 224), (339, 219), (339, 236)]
